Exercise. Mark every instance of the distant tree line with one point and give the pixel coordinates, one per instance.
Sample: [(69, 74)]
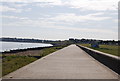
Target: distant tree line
[(21, 40), (59, 42), (89, 41)]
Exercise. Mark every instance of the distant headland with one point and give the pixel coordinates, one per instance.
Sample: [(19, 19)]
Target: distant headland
[(59, 42)]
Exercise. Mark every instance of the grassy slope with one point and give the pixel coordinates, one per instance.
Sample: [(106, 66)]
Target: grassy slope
[(11, 63), (111, 49), (14, 62)]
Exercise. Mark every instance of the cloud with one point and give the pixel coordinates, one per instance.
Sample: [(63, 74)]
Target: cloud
[(115, 20), (18, 5), (89, 22), (49, 3), (8, 9), (73, 18), (50, 24), (93, 4), (17, 8), (14, 17), (78, 4), (30, 1), (96, 5)]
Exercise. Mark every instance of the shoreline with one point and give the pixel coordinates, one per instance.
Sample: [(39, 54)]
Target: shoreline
[(14, 60), (26, 49)]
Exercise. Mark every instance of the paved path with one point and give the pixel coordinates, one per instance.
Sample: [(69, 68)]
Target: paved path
[(68, 63)]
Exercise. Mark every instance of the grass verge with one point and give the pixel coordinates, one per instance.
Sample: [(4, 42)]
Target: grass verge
[(13, 62), (110, 49)]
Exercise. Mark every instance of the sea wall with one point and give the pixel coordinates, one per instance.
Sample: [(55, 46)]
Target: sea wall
[(21, 50), (113, 62)]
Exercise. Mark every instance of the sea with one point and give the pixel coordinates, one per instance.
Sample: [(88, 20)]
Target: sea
[(7, 46)]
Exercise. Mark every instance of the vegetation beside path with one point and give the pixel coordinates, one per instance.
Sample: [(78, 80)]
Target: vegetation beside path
[(12, 62), (110, 49)]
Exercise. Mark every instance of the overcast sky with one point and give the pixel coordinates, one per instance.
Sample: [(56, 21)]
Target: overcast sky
[(59, 19)]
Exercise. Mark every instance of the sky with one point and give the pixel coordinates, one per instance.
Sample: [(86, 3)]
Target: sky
[(59, 19)]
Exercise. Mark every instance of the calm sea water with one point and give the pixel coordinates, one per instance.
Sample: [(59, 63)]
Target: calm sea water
[(6, 46)]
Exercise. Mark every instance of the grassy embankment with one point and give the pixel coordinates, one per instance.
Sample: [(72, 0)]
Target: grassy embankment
[(13, 62), (110, 49)]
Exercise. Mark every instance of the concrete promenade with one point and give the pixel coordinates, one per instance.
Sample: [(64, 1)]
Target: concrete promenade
[(68, 63)]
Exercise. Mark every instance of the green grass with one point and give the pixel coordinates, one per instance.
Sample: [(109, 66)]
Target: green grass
[(0, 67), (110, 49), (47, 51), (14, 62)]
